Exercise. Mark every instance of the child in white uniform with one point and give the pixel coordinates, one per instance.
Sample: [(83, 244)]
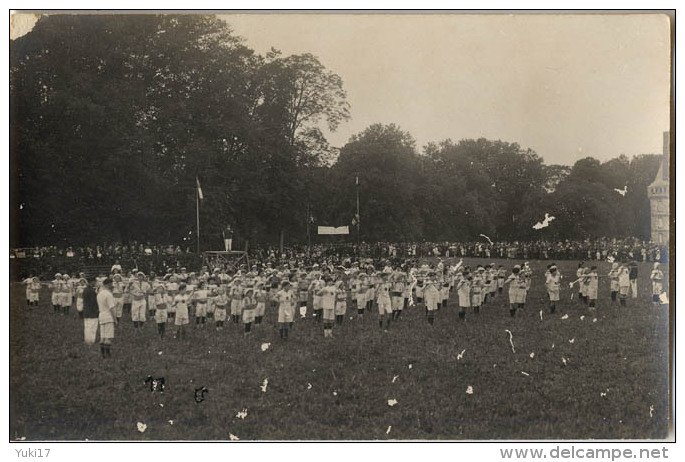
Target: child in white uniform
[(180, 304)]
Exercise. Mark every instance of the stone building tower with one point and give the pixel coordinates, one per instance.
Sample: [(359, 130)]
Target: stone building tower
[(658, 193)]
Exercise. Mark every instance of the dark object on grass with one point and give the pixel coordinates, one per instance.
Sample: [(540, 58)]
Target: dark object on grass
[(155, 384), (200, 394)]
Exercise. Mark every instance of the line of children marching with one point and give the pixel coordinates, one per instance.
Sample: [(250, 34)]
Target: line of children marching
[(327, 292)]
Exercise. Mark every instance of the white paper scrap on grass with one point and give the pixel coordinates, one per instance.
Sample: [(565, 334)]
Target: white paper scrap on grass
[(511, 340)]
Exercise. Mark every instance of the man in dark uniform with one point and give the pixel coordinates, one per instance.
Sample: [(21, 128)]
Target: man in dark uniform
[(90, 313), (632, 275)]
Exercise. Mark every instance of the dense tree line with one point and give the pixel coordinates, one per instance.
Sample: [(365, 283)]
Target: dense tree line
[(113, 117)]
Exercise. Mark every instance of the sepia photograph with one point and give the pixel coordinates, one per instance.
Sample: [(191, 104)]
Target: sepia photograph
[(342, 226)]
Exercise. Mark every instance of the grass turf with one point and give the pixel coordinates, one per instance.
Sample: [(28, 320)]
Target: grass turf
[(614, 384)]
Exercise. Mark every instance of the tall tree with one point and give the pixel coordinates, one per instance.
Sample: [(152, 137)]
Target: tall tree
[(384, 159), (115, 116), (500, 179), (296, 94)]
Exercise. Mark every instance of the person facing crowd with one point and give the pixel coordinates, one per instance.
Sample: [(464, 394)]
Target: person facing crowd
[(328, 299), (613, 281), (139, 289), (592, 282), (397, 292), (286, 309), (340, 302), (464, 293), (118, 288), (553, 285), (431, 295), (657, 277), (261, 298), (623, 284), (182, 316), (32, 291), (200, 297), (517, 290), (161, 303), (384, 303), (221, 303), (249, 308), (82, 283)]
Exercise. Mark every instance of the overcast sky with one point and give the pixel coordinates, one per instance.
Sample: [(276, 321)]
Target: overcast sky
[(566, 86)]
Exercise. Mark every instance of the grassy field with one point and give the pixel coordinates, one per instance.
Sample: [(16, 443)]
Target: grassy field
[(614, 384)]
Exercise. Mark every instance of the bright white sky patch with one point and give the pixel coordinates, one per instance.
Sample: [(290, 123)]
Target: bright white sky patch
[(549, 82)]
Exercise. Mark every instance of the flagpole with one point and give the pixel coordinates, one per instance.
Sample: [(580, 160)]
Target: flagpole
[(197, 217), (358, 217), (309, 241)]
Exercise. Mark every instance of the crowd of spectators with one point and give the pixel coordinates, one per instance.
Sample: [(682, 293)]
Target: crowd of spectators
[(95, 253), (145, 257), (158, 258), (595, 249)]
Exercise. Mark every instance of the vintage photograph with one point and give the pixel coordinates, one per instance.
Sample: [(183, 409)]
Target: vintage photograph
[(341, 226)]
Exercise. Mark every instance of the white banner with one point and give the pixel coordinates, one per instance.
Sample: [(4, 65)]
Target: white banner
[(334, 230)]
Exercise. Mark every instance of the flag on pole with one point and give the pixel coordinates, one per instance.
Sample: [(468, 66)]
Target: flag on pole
[(199, 188), (356, 180), (355, 220)]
